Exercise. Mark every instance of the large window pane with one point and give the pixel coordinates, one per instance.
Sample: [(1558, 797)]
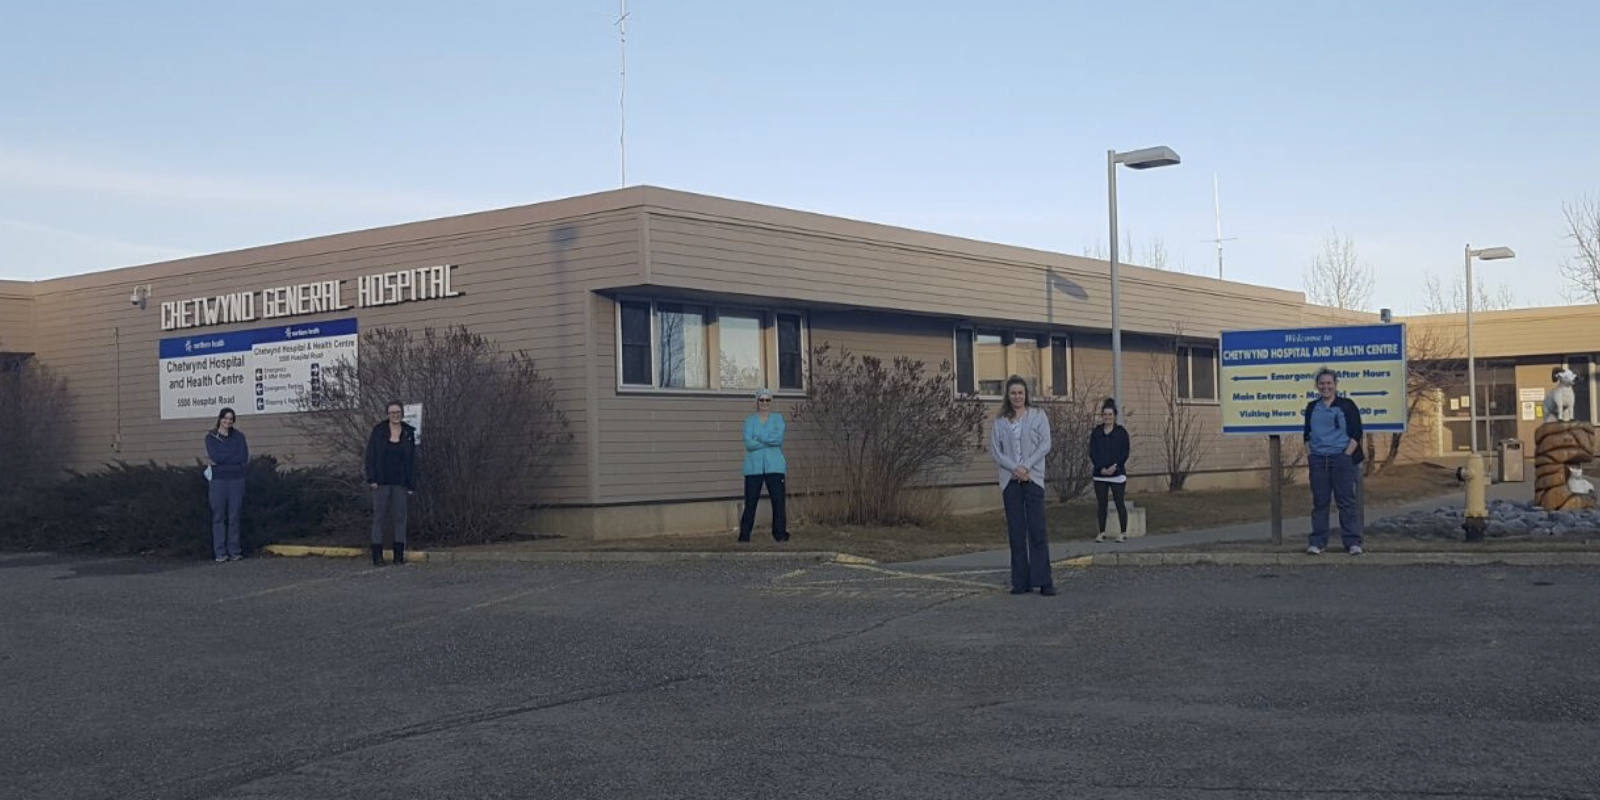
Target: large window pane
[(965, 369), (739, 352), (683, 346), (1060, 383), (1028, 359), (1184, 384), (989, 353), (636, 344), (791, 353), (1203, 372)]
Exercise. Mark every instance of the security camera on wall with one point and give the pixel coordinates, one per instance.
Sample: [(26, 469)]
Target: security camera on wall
[(136, 298)]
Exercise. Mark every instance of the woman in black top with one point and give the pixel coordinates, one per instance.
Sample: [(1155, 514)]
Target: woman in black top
[(391, 453), (1108, 452)]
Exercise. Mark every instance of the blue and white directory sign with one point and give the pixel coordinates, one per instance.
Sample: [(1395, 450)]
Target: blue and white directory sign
[(259, 371), (1268, 377)]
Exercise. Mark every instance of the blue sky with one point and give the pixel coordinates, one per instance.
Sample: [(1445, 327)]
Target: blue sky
[(138, 132)]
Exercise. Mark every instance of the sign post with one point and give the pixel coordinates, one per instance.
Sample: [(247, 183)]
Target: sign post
[(1268, 376)]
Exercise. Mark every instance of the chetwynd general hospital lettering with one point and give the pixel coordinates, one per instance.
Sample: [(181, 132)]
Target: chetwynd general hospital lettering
[(380, 289)]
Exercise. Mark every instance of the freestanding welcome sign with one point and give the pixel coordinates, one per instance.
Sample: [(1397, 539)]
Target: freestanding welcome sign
[(1267, 378)]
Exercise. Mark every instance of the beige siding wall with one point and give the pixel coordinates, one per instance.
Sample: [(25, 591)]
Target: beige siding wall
[(1523, 331), (16, 317), (524, 286), (881, 267)]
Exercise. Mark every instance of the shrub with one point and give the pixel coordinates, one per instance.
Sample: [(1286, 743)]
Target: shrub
[(491, 429), (881, 430), (34, 421), (164, 509), (1071, 420)]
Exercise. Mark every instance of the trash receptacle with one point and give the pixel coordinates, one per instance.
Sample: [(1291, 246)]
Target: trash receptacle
[(1509, 454)]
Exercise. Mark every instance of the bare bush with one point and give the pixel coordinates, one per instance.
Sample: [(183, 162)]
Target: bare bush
[(882, 430), (1185, 442), (35, 420), (1071, 420), (491, 429)]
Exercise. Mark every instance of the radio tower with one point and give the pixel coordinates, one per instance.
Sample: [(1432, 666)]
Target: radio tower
[(622, 102), (1216, 199)]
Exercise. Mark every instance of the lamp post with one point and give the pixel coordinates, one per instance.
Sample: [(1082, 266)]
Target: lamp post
[(1486, 254), (1145, 158), (1476, 519)]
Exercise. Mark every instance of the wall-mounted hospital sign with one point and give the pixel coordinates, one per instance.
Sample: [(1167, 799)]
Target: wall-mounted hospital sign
[(320, 297), (259, 371), (1267, 377)]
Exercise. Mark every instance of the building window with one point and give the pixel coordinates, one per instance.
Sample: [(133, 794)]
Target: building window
[(791, 353), (740, 352), (1197, 372), (986, 359), (636, 369), (683, 346), (671, 345)]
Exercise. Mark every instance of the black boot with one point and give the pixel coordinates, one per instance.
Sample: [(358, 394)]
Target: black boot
[(399, 552), (377, 555)]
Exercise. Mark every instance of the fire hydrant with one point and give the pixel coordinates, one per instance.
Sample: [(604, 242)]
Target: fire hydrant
[(1477, 481)]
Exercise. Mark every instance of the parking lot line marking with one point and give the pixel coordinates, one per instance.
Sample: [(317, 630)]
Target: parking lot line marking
[(296, 585), (486, 604), (893, 573), (795, 574)]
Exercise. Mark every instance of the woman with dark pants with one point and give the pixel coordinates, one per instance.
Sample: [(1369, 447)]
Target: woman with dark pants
[(1108, 453), (229, 454), (391, 456), (764, 465), (1019, 444)]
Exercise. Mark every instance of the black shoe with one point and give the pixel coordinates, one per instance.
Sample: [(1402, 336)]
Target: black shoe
[(399, 553), (377, 555), (744, 540), (1047, 591), (1017, 590), (783, 538)]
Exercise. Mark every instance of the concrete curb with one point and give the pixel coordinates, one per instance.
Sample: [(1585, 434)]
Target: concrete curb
[(1335, 559), (491, 555)]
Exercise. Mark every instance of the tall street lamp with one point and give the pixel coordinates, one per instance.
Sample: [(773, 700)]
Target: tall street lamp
[(1486, 254), (1134, 159)]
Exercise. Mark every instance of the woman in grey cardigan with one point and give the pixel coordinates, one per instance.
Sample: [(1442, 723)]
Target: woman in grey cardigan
[(1019, 444)]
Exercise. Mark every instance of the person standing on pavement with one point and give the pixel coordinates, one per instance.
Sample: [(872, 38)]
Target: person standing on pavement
[(229, 455), (1333, 443), (1019, 443), (390, 466), (1108, 453), (764, 465)]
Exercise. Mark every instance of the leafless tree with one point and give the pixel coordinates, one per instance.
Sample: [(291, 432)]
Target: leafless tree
[(881, 429), (1437, 300), (490, 425), (1582, 270), (35, 412), (1071, 420), (1435, 360), (1153, 254), (1185, 442), (1337, 277)]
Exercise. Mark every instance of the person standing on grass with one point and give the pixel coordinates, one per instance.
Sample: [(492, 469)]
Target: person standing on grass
[(229, 455), (1108, 453), (390, 462), (1333, 443), (1019, 444), (764, 465)]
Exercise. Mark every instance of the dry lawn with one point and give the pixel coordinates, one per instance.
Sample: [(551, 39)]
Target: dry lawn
[(965, 533)]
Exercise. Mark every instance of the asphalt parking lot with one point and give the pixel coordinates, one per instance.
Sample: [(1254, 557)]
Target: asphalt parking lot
[(311, 678)]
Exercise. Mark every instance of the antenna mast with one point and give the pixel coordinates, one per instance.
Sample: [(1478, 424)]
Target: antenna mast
[(622, 102), (1216, 199)]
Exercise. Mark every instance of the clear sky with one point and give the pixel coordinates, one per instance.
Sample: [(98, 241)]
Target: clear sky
[(136, 132)]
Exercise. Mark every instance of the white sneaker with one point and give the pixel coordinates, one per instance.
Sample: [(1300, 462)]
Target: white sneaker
[(1313, 550), (1101, 538), (1354, 550), (1122, 538), (222, 559)]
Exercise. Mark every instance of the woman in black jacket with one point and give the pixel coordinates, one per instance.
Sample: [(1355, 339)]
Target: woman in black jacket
[(391, 456), (1108, 452)]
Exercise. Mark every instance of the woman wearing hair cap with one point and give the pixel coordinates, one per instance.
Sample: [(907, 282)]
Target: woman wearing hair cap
[(764, 464)]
